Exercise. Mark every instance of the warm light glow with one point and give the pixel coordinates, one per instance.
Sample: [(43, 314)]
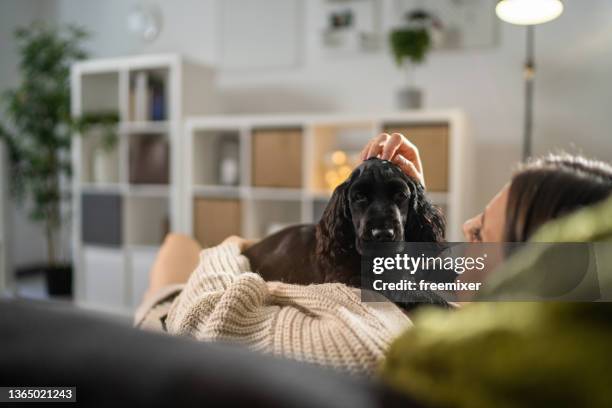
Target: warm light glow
[(338, 166), (338, 157), (332, 180), (528, 12), (344, 172)]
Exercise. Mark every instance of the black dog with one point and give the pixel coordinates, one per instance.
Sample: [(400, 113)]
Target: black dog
[(378, 202)]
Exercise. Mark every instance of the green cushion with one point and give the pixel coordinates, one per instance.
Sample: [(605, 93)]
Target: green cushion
[(509, 354)]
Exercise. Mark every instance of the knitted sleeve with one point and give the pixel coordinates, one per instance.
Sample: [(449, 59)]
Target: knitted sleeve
[(218, 268)]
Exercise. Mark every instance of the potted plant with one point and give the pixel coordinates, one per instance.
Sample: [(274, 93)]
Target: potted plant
[(410, 45), (37, 131)]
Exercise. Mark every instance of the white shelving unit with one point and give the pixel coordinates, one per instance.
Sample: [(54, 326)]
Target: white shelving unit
[(126, 199), (212, 210)]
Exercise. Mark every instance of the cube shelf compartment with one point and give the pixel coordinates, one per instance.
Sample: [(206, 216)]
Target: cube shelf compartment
[(432, 140), (101, 220), (104, 284), (149, 159), (216, 158), (274, 149), (148, 95), (147, 220), (100, 163), (265, 217), (215, 219), (99, 92), (336, 148)]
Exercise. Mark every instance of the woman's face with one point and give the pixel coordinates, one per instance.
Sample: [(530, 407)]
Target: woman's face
[(488, 226)]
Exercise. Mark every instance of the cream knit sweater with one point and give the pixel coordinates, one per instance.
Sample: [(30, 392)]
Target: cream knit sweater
[(324, 324)]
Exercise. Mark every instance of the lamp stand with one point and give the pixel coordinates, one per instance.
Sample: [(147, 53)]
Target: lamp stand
[(529, 74)]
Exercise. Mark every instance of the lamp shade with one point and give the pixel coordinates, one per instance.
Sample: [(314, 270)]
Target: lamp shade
[(528, 12)]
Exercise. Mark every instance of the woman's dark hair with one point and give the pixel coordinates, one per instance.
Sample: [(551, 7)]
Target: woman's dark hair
[(549, 187)]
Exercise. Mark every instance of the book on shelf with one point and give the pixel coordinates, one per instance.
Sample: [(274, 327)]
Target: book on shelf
[(147, 98), (157, 99), (140, 97)]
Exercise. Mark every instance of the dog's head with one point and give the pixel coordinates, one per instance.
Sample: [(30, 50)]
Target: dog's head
[(378, 202)]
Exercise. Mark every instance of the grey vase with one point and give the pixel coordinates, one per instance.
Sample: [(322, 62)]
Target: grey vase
[(409, 98)]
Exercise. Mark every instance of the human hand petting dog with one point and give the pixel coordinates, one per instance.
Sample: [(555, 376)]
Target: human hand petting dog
[(397, 149)]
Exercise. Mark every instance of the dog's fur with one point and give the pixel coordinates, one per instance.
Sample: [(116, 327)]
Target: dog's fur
[(378, 202)]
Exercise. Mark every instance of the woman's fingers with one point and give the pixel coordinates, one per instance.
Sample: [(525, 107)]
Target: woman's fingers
[(407, 149), (408, 168), (393, 143), (375, 146), (397, 149)]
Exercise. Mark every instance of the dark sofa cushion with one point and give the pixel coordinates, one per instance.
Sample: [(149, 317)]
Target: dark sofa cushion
[(46, 345)]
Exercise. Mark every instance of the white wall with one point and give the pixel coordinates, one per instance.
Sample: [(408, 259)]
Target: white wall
[(572, 90), (573, 87)]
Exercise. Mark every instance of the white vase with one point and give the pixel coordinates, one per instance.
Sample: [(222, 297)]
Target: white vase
[(104, 166)]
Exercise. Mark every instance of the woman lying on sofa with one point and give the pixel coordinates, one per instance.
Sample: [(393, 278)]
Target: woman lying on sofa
[(210, 294)]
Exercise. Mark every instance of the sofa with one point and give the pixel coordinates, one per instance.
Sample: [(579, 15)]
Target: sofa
[(45, 344)]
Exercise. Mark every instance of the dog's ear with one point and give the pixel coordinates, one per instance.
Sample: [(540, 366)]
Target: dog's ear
[(426, 223), (335, 232)]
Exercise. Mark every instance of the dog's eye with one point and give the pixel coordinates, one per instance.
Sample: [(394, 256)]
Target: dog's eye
[(360, 197), (400, 197)]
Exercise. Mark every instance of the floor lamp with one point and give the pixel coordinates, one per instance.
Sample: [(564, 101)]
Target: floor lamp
[(528, 13)]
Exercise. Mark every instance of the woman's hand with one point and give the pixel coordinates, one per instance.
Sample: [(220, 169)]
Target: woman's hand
[(397, 149)]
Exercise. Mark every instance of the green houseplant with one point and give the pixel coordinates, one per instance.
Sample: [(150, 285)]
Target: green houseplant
[(37, 129), (410, 45)]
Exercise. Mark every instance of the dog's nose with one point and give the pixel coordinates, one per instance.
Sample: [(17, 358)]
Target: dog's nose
[(383, 234)]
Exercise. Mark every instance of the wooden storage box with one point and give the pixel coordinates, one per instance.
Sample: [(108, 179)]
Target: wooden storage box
[(216, 219), (432, 142), (277, 158)]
